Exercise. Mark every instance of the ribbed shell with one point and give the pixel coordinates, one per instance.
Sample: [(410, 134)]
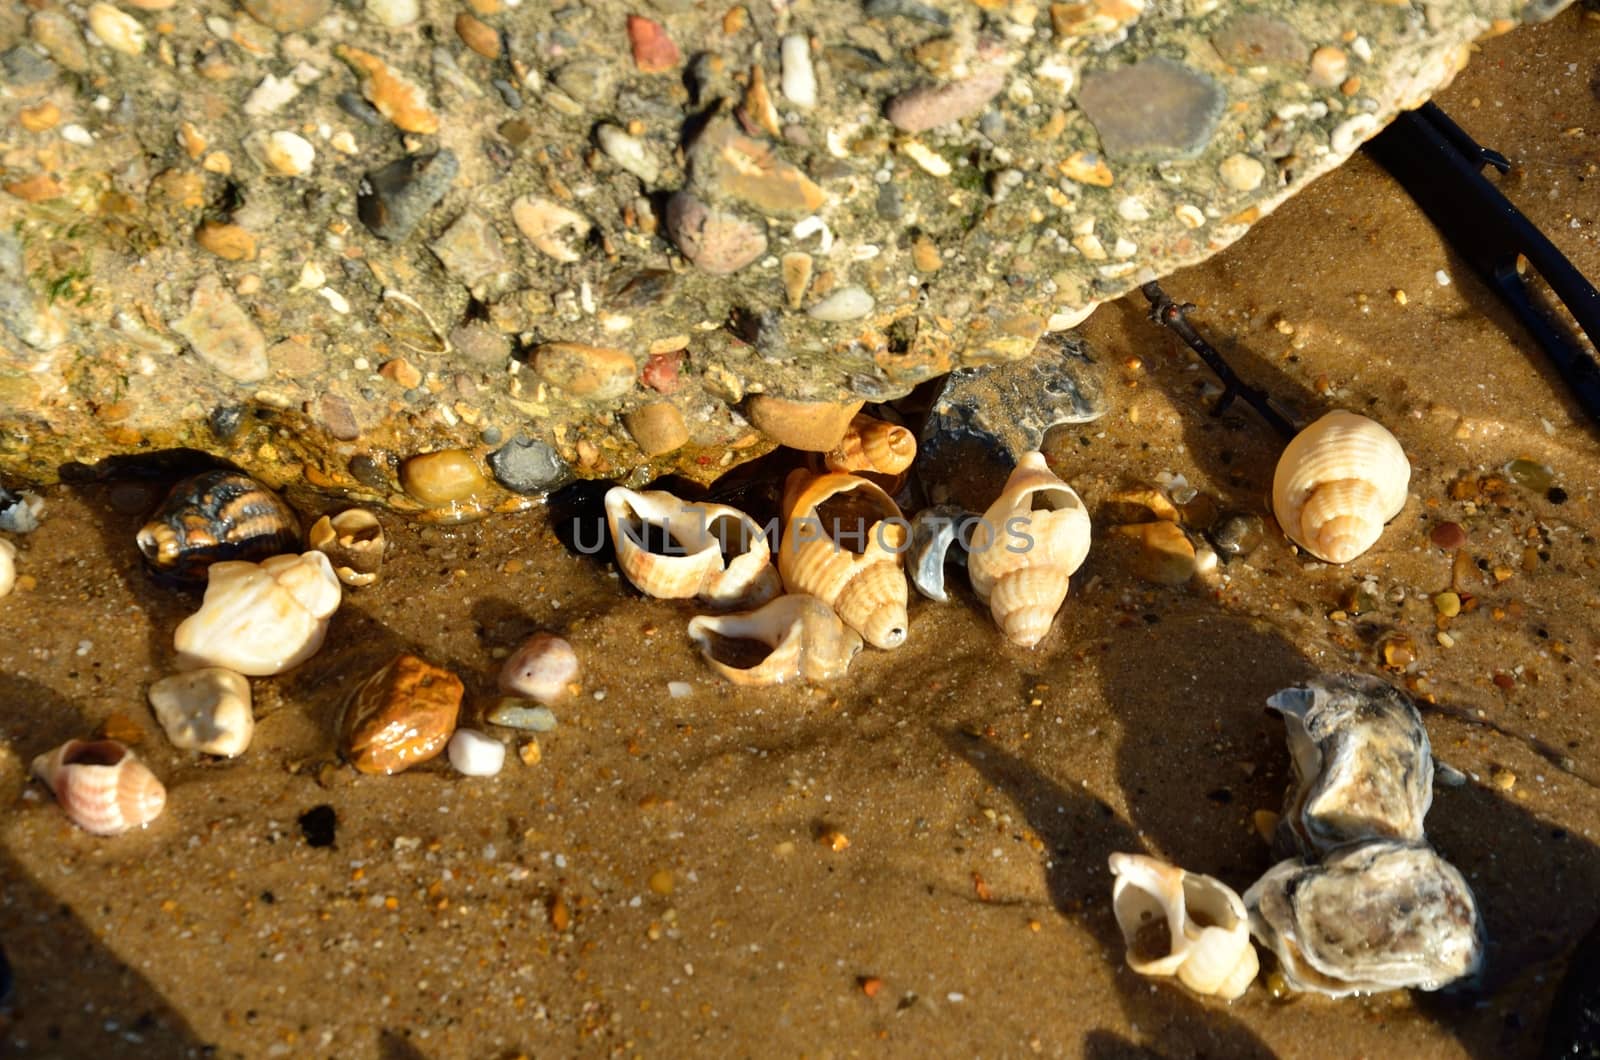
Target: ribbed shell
[(715, 552), (805, 638), (817, 554), (871, 444), (1026, 547), (216, 516), (354, 542), (1338, 482), (260, 619), (1208, 929), (101, 785)]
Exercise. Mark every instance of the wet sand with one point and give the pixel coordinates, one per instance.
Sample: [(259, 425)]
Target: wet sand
[(670, 878)]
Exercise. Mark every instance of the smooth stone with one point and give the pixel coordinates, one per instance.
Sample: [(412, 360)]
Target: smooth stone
[(286, 16), (814, 426), (930, 106), (476, 754), (657, 428), (516, 713), (715, 241), (1241, 172), (847, 303), (402, 715), (544, 668), (629, 152), (1250, 39), (1153, 110), (471, 251), (799, 78), (1238, 533), (222, 334), (587, 80), (393, 200), (394, 13), (205, 710), (1165, 554), (59, 36), (528, 466), (448, 476), (596, 373)]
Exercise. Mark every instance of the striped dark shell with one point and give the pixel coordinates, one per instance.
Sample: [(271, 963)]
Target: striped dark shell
[(218, 515)]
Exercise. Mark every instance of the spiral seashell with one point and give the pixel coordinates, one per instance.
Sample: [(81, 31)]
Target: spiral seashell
[(101, 785), (1337, 483), (260, 619), (794, 636), (1026, 547), (672, 549), (843, 541), (871, 444), (212, 517), (1184, 924), (354, 542)]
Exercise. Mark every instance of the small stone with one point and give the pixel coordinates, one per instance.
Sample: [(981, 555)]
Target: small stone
[(476, 754), (287, 16), (795, 267), (228, 241), (1397, 651), (653, 50), (930, 106), (530, 754), (925, 256), (657, 428), (726, 163), (1238, 533), (58, 35), (1329, 67), (222, 334), (1152, 110), (1447, 604), (846, 303), (628, 152), (661, 882), (1093, 17), (1531, 475), (1165, 556), (448, 476), (394, 13), (398, 99), (401, 371), (544, 669), (393, 200), (660, 372), (544, 223), (8, 567), (587, 80), (814, 426), (284, 153), (597, 373), (1250, 39), (715, 241), (470, 251), (1241, 172), (402, 715), (42, 118), (477, 35), (515, 713), (205, 710), (1448, 536), (117, 29), (38, 188), (524, 466), (799, 80)]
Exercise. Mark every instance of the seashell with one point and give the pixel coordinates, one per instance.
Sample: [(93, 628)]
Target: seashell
[(205, 710), (871, 444), (1184, 924), (400, 716), (793, 636), (935, 541), (8, 567), (354, 542), (544, 669), (672, 549), (1026, 547), (215, 516), (1337, 483), (1362, 762), (102, 786), (1379, 915), (843, 541), (262, 618)]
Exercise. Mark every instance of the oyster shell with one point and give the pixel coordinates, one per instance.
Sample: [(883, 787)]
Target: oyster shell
[(1184, 924), (1362, 762), (1379, 915), (1337, 483)]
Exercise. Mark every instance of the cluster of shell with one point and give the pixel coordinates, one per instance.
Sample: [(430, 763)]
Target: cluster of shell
[(1365, 905), (839, 580)]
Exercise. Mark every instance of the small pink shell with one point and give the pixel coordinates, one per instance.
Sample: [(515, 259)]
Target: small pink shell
[(101, 785), (540, 670)]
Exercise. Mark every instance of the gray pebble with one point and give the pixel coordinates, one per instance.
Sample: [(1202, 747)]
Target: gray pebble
[(393, 200), (1156, 109), (352, 103), (527, 466)]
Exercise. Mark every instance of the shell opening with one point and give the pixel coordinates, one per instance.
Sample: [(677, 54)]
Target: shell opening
[(1152, 939), (733, 536), (95, 753), (847, 519), (739, 653), (652, 537)]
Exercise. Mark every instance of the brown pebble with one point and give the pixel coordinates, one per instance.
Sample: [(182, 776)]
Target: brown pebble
[(530, 753), (1166, 556), (1397, 651), (402, 715), (796, 269), (661, 882), (870, 985), (716, 241), (445, 477), (930, 106), (560, 913), (40, 118), (595, 372), (657, 428), (814, 426), (229, 241), (925, 255), (1448, 536), (401, 371), (41, 187), (479, 36)]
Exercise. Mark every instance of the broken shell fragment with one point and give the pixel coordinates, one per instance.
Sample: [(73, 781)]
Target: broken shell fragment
[(8, 567), (1183, 924), (1379, 915), (935, 541), (1026, 547), (101, 785), (843, 540), (1336, 485), (354, 542), (544, 669), (672, 549), (1362, 762), (400, 716), (871, 444), (794, 636), (205, 710), (262, 618), (214, 516)]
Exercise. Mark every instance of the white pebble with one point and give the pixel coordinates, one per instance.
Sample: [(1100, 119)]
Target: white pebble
[(799, 81), (77, 134), (285, 153), (1441, 278), (393, 13), (847, 303), (476, 754), (628, 152), (269, 95), (205, 710), (679, 689), (8, 567), (541, 670), (118, 30), (1348, 134)]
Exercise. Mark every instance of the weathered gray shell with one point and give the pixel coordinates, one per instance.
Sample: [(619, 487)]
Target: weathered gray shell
[(1362, 762), (1372, 916), (936, 541)]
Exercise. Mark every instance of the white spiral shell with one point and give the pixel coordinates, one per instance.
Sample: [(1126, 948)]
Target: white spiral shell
[(1206, 943), (1338, 482)]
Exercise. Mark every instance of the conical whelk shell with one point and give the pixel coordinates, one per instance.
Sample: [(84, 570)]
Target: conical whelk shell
[(843, 540), (1337, 483), (794, 636), (354, 542), (1371, 916), (1362, 762), (1184, 924), (205, 710), (1026, 547), (263, 618), (101, 785), (871, 444), (672, 549)]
